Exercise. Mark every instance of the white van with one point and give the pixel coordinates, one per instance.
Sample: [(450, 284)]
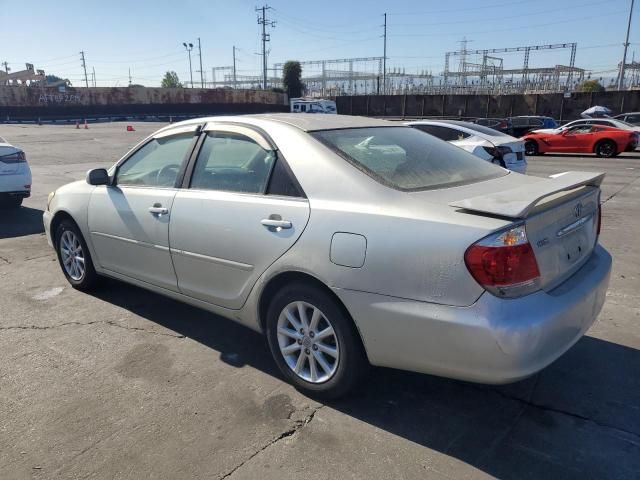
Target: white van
[(313, 105)]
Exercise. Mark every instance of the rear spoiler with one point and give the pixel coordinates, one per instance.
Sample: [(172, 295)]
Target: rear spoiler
[(518, 202)]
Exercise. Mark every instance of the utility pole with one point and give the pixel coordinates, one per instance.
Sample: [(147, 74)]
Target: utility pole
[(384, 59), (624, 55), (84, 66), (188, 47), (265, 38), (201, 72), (129, 76), (6, 67), (93, 76), (235, 80)]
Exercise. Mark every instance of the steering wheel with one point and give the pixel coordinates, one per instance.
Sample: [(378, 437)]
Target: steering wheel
[(168, 171)]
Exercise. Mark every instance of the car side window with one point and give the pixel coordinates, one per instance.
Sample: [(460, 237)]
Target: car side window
[(580, 129), (536, 122), (443, 133), (519, 122), (157, 163), (282, 181), (232, 162)]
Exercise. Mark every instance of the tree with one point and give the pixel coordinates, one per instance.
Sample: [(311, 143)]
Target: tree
[(171, 80), (590, 86), (291, 79), (53, 79)]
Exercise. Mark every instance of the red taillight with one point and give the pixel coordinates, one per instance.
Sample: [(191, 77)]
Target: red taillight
[(17, 157), (504, 263), (502, 266)]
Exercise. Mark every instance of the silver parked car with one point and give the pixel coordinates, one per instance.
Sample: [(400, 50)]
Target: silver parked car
[(348, 241)]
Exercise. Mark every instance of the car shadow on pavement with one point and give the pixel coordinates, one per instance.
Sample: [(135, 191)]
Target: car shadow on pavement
[(578, 418), (20, 221), (623, 156)]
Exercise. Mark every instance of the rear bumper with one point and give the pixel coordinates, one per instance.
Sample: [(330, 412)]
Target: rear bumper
[(16, 183), (492, 341), (18, 193)]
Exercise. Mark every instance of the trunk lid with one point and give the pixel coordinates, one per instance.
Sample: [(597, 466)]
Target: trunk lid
[(560, 216)]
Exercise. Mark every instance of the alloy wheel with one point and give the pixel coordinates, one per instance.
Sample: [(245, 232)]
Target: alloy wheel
[(308, 342), (72, 255)]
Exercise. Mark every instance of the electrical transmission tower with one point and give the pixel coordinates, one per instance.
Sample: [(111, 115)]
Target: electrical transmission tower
[(84, 66), (265, 22)]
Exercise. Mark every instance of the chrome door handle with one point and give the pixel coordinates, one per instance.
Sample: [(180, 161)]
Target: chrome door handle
[(158, 210), (277, 224)]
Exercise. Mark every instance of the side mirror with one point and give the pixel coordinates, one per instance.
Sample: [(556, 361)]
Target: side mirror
[(98, 176), (565, 133)]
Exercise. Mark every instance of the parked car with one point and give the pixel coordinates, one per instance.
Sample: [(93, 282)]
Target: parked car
[(415, 256), (631, 117), (602, 140), (500, 124), (524, 124), (483, 142), (15, 175)]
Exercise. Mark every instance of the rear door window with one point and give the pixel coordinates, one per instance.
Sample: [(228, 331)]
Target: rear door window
[(406, 159)]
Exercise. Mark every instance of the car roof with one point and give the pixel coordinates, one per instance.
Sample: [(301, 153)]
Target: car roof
[(307, 122), (471, 128)]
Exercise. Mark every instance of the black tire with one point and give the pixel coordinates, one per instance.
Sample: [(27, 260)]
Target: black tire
[(89, 278), (531, 148), (352, 363), (606, 149), (10, 201)]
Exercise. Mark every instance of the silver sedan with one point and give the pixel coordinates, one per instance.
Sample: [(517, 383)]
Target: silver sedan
[(349, 242)]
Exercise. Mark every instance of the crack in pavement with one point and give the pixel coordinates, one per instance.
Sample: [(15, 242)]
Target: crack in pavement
[(621, 189), (530, 403), (295, 428), (5, 260), (95, 322)]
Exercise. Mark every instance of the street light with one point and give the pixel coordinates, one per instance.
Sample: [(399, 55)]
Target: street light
[(188, 47)]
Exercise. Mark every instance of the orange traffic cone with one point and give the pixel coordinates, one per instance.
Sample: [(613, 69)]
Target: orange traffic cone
[(86, 126), (77, 125), (130, 128)]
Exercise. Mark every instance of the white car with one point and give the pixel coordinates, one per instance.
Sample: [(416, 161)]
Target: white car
[(483, 142), (607, 122), (15, 175)]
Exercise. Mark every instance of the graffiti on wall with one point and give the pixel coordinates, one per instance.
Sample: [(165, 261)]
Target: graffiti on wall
[(57, 98)]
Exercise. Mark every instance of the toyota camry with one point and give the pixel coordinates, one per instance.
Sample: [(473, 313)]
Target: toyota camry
[(348, 242)]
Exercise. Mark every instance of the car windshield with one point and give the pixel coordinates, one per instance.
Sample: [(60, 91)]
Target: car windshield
[(406, 159)]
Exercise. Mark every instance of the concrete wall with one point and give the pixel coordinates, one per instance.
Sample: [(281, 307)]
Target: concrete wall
[(25, 102), (554, 105)]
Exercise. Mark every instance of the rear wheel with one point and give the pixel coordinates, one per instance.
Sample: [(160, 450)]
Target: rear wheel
[(606, 149), (531, 148), (314, 342), (74, 257)]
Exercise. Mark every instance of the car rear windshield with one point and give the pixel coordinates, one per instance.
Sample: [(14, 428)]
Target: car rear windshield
[(407, 159)]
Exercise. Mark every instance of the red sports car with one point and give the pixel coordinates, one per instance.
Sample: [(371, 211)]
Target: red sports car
[(601, 140)]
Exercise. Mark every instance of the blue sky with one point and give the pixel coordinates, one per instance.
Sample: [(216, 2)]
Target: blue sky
[(147, 36)]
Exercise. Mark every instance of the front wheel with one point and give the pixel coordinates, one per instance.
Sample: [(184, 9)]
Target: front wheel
[(74, 256), (606, 149), (314, 343), (530, 148)]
